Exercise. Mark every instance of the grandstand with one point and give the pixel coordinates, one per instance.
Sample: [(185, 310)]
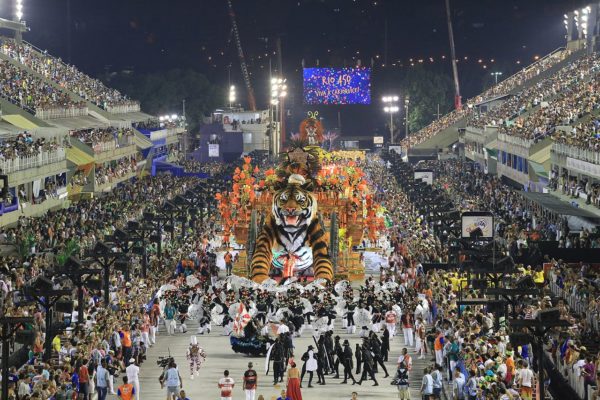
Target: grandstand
[(539, 129), (68, 135)]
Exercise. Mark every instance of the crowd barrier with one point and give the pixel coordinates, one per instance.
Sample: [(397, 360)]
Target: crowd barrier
[(580, 306), (576, 303)]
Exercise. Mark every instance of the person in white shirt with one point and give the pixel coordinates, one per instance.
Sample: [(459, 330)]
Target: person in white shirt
[(406, 359), (226, 384), (173, 381), (458, 382), (436, 375), (525, 381), (427, 385), (133, 377)]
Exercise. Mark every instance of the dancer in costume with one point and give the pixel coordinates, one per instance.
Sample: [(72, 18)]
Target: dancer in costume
[(196, 357)]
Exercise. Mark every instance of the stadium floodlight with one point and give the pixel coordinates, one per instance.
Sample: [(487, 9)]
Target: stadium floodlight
[(174, 117), (232, 96), (161, 118), (391, 107), (496, 75), (19, 10)]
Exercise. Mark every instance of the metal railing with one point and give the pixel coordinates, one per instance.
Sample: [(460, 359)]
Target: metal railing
[(580, 305), (515, 140), (23, 163), (576, 152), (165, 133), (576, 303), (17, 103), (59, 112)]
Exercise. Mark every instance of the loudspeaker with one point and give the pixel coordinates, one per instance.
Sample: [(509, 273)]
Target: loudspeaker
[(94, 284), (121, 265), (139, 250), (101, 248), (42, 284), (133, 225), (148, 216), (549, 315), (526, 282), (64, 306), (520, 338), (26, 336), (496, 307), (479, 284), (121, 235), (56, 328)]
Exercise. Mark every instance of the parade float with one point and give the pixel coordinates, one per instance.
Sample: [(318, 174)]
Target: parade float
[(310, 216)]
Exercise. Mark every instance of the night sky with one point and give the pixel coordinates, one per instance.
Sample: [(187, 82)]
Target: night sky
[(152, 35)]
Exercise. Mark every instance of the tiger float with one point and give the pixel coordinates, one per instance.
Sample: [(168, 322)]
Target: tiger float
[(292, 232)]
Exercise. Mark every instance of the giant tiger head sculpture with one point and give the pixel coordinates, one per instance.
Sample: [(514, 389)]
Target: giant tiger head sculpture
[(294, 207)]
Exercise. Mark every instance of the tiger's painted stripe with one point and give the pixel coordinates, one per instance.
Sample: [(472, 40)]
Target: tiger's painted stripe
[(322, 266), (263, 256)]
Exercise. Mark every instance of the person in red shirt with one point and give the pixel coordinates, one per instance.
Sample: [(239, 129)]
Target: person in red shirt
[(84, 380), (154, 319), (250, 382)]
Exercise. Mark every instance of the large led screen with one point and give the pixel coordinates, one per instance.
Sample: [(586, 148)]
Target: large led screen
[(337, 86)]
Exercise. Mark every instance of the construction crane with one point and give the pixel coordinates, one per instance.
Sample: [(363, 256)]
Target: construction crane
[(457, 98), (245, 74)]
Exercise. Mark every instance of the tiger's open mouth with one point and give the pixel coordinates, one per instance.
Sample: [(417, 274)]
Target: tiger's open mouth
[(292, 220)]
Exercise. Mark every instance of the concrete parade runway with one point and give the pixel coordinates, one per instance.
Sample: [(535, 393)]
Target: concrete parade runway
[(221, 357)]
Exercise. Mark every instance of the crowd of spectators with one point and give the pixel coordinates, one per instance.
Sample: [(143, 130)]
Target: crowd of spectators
[(155, 124), (115, 334), (570, 105), (23, 145), (584, 135), (116, 169), (502, 88), (102, 135), (30, 92), (67, 76), (537, 95), (477, 354), (211, 168)]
